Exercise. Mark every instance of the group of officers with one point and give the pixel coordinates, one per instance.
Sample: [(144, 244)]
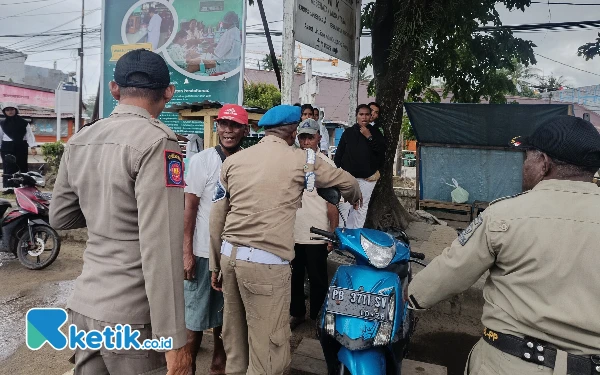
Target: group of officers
[(122, 178)]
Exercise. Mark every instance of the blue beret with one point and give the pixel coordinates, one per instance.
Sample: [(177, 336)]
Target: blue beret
[(281, 115)]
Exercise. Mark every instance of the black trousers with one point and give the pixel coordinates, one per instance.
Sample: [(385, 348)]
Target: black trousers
[(313, 258), (20, 150)]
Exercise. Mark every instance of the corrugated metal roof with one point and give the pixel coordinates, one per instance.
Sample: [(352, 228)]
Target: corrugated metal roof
[(197, 106)]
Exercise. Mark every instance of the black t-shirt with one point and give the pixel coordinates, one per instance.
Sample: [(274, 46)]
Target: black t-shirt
[(359, 156)]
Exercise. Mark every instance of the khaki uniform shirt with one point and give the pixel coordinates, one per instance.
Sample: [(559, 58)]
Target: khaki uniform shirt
[(542, 251), (313, 213), (265, 184), (113, 179)]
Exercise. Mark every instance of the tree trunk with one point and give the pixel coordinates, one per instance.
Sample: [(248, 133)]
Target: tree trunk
[(392, 73)]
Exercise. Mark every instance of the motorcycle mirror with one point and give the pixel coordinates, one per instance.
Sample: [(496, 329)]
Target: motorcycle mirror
[(331, 195)]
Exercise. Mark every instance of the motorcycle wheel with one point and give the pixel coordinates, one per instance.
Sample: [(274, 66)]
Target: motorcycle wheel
[(42, 251)]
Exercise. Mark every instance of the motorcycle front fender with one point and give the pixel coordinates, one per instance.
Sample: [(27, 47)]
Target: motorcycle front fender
[(363, 362)]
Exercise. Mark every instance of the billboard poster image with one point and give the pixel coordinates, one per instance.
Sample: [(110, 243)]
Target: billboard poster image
[(201, 41)]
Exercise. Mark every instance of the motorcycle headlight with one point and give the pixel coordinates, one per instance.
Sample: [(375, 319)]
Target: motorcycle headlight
[(379, 256)]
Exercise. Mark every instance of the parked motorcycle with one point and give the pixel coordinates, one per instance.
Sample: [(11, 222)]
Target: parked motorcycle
[(25, 230), (365, 324)]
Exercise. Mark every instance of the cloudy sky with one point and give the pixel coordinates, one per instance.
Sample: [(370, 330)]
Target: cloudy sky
[(37, 16)]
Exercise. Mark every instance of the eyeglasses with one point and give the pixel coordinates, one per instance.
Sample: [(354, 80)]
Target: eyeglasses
[(224, 124)]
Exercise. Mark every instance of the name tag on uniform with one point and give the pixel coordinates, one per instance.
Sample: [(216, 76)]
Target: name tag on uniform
[(174, 169)]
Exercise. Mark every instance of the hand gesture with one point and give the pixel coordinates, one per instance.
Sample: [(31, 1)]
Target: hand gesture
[(215, 282), (179, 361), (358, 204), (366, 132), (33, 151), (189, 266)]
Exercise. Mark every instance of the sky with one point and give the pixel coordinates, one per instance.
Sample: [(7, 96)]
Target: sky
[(36, 16)]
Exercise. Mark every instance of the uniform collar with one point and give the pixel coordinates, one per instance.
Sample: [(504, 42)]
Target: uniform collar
[(272, 138), (131, 110), (567, 185)]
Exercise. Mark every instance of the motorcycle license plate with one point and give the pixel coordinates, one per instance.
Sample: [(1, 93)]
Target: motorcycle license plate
[(363, 305)]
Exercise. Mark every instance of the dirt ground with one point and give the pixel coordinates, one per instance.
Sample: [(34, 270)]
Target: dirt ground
[(444, 334)]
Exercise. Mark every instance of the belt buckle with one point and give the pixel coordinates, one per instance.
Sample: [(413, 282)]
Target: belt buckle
[(596, 361)]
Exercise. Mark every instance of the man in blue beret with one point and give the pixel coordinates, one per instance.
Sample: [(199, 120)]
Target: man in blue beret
[(252, 239)]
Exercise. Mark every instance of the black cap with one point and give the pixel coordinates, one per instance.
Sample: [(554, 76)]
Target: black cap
[(146, 63), (565, 138)]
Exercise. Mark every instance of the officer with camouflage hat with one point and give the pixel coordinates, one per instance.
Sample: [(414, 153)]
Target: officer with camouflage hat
[(252, 240), (541, 251), (122, 178)]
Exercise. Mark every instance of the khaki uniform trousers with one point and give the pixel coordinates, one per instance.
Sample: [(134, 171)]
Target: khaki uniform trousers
[(487, 360), (115, 362), (256, 328)]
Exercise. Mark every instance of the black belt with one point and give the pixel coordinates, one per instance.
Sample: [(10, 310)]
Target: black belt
[(535, 351)]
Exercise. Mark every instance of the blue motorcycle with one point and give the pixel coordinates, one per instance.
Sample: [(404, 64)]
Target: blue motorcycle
[(365, 324)]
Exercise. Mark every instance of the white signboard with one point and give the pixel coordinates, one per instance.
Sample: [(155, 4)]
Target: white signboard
[(327, 25)]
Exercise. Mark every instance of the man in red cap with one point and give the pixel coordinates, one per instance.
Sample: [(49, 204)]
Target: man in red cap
[(203, 304)]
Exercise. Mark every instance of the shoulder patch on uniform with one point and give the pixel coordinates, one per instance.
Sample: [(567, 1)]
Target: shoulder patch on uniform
[(466, 234), (509, 197), (220, 192), (174, 169)]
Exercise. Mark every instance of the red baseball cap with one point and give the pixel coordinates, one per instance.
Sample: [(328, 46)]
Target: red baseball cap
[(234, 113)]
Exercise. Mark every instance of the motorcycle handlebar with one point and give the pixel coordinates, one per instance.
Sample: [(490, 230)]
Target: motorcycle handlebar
[(329, 235)]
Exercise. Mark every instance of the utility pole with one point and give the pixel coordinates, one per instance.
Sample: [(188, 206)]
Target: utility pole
[(288, 52), (57, 96), (354, 72), (80, 100), (310, 88)]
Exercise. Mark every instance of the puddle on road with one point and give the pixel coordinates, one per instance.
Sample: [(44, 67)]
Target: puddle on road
[(14, 308)]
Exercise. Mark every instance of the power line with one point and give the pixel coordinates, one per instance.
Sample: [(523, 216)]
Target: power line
[(570, 66), (48, 14), (31, 10), (24, 2), (542, 26), (54, 28)]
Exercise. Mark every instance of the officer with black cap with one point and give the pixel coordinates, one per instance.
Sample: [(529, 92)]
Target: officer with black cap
[(122, 177), (541, 250), (252, 240)]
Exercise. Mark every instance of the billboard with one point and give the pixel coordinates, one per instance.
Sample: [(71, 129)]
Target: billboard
[(22, 95), (328, 26), (201, 41)]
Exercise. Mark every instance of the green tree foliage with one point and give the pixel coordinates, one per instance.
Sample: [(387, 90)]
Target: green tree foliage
[(417, 41), (590, 50), (550, 83), (52, 154), (267, 63), (89, 106), (261, 95)]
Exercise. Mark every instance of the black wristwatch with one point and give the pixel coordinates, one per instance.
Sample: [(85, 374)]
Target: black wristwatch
[(370, 138)]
